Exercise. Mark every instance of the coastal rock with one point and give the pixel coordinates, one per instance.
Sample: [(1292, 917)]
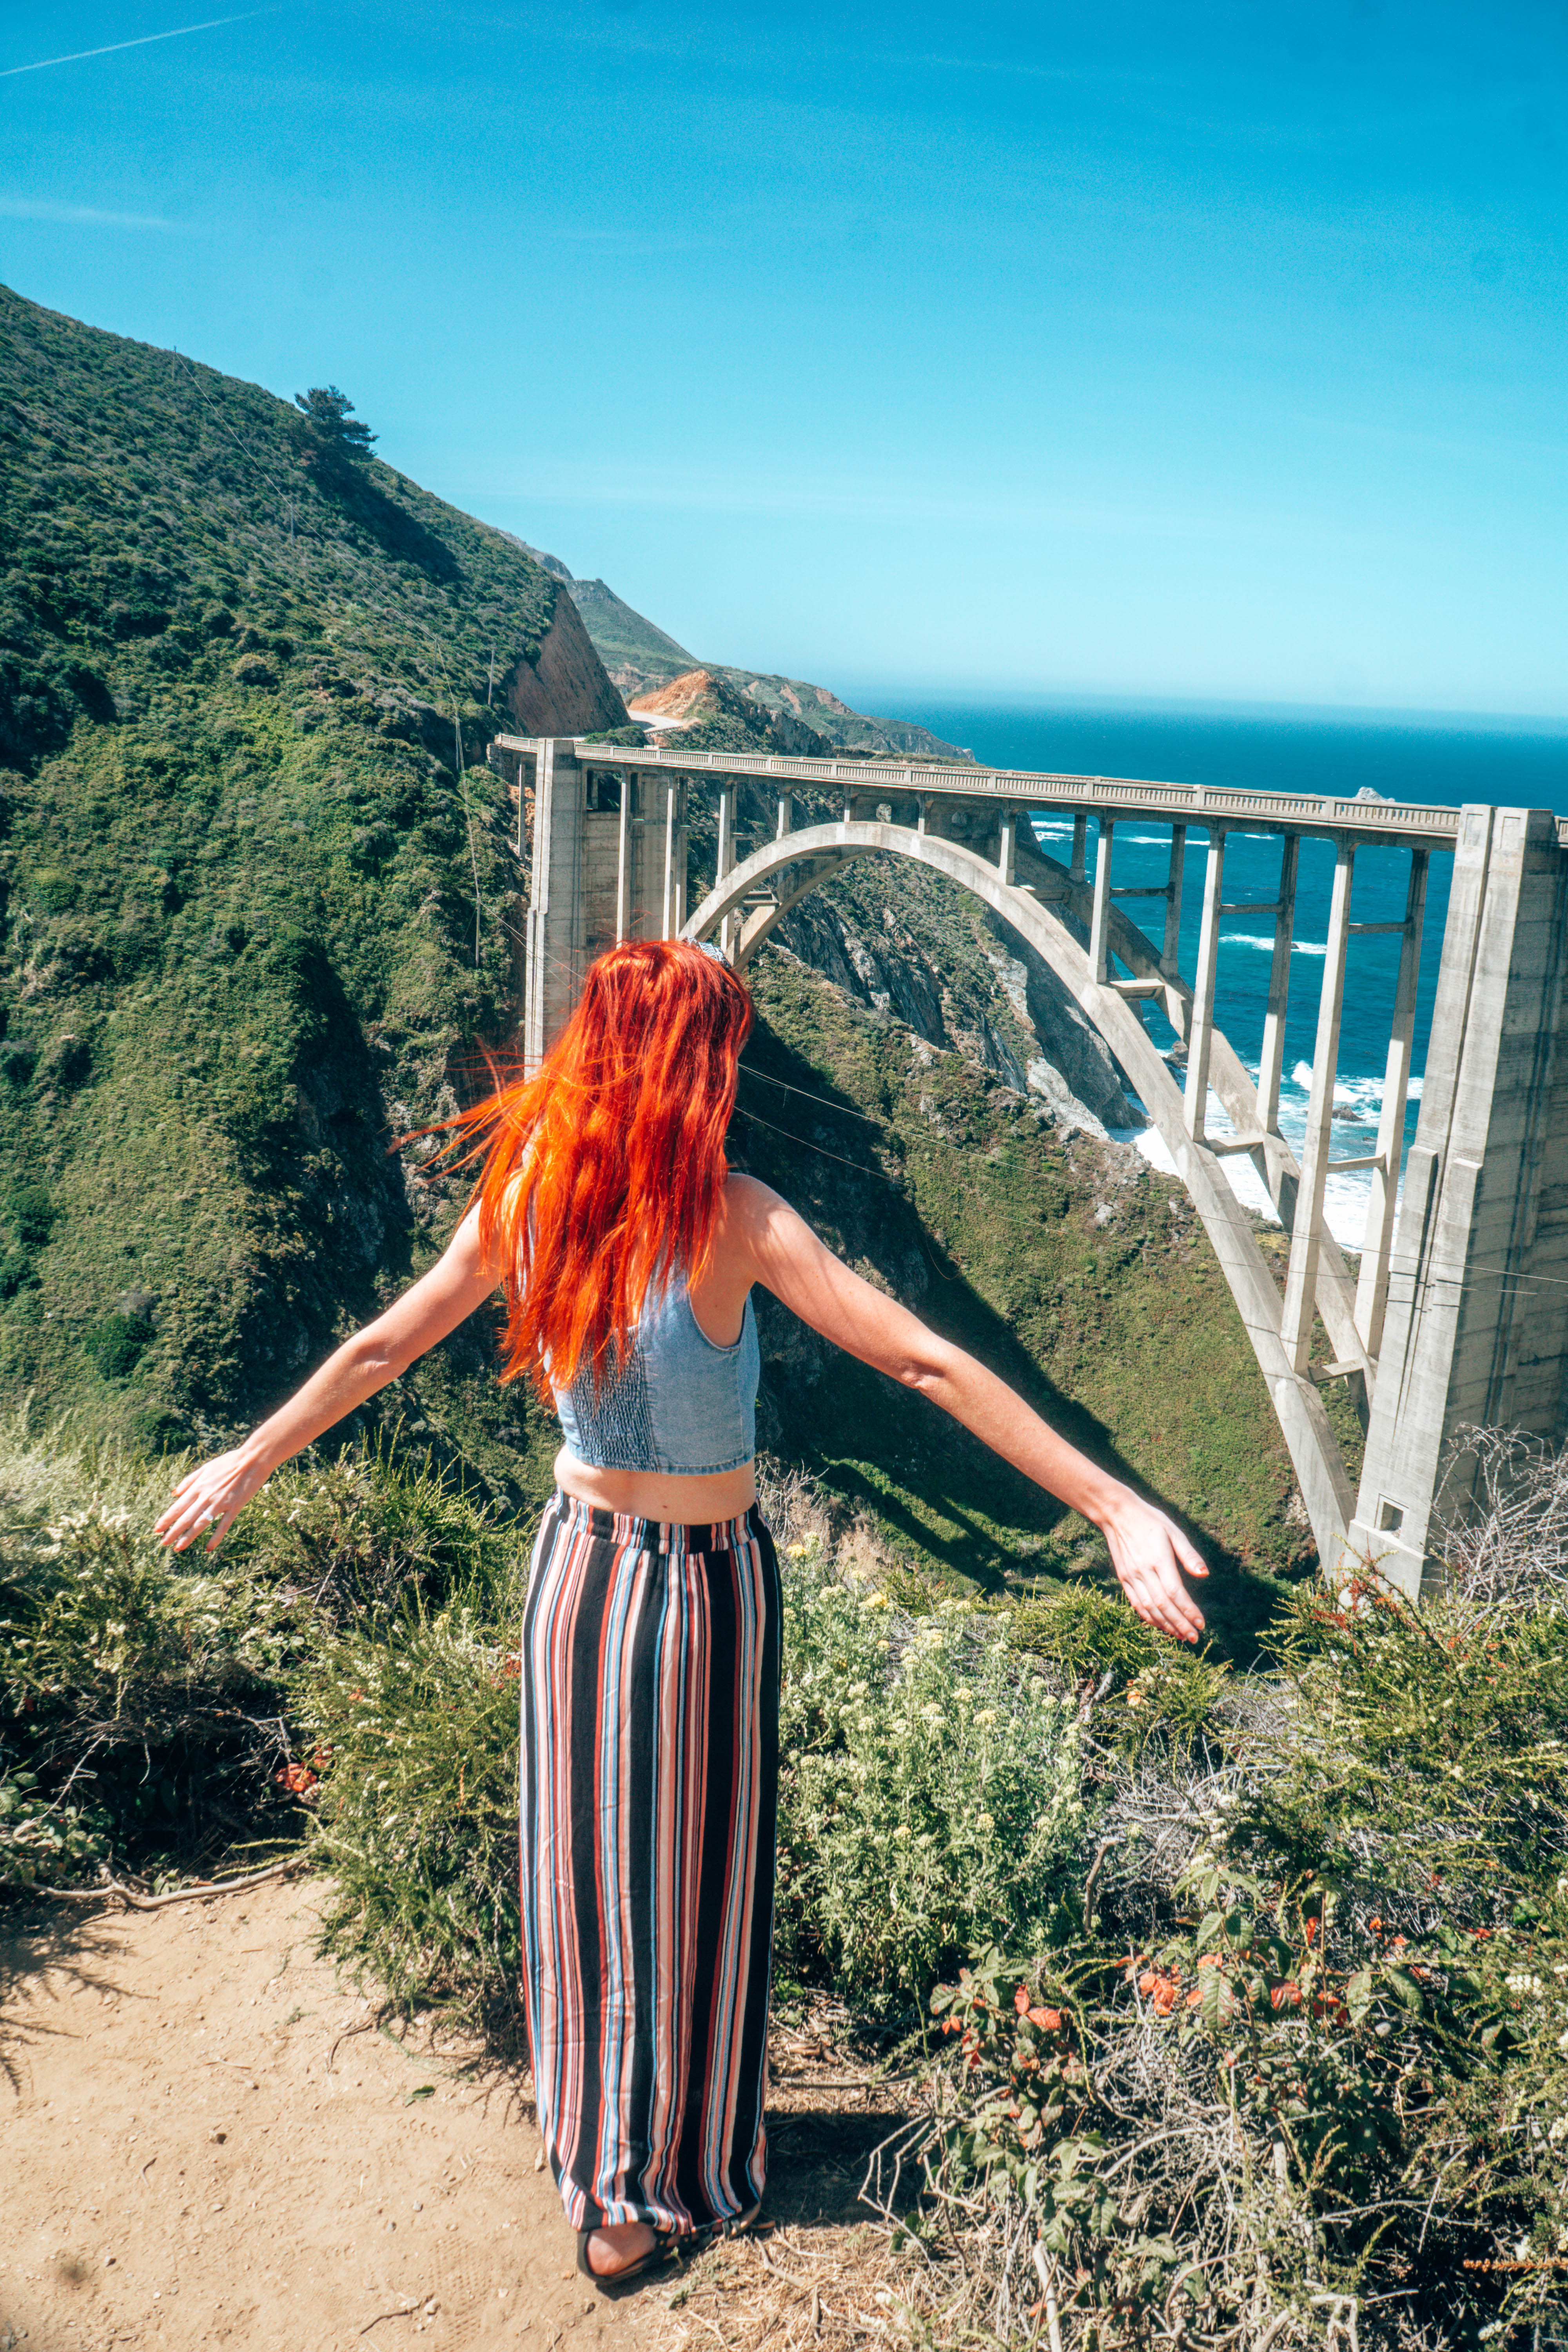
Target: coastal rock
[(710, 714)]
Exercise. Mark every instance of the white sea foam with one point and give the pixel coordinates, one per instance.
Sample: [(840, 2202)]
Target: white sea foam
[(1344, 1197), (1060, 828), (1266, 939), (1364, 1094)]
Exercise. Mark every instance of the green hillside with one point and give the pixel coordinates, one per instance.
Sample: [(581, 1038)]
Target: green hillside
[(254, 917), (622, 640), (258, 919)]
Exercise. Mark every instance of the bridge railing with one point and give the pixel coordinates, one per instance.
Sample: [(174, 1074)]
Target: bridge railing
[(1434, 824)]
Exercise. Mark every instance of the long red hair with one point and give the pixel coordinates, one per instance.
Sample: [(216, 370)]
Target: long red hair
[(602, 1173)]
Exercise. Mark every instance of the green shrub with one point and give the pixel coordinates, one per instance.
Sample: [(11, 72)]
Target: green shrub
[(1264, 2115), (146, 1698), (45, 1840), (930, 1792), (32, 1213), (415, 1737), (54, 890), (140, 1695), (1087, 1631), (17, 1271), (1428, 1763), (118, 1344), (364, 1534), (1147, 1689)]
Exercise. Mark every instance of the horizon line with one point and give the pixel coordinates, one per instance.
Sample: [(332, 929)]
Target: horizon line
[(1027, 698)]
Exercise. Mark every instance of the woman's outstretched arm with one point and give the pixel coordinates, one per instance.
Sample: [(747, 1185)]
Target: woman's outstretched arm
[(1148, 1550), (212, 1496)]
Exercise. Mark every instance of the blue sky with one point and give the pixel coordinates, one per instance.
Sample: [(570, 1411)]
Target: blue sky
[(1191, 350)]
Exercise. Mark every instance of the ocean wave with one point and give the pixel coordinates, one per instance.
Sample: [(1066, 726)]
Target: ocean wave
[(1266, 939), (1365, 1093)]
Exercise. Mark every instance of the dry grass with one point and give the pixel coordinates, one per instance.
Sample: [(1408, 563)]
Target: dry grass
[(823, 2269)]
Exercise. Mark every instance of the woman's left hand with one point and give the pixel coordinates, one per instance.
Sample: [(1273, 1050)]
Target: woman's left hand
[(1151, 1556), (210, 1496)]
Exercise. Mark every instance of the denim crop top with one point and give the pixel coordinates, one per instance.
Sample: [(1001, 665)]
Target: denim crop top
[(676, 1402)]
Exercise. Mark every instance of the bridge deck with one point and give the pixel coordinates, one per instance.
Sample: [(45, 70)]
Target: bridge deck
[(1426, 826)]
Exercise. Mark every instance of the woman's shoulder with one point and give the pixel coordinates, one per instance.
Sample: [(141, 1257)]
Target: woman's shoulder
[(749, 1202), (747, 1207)]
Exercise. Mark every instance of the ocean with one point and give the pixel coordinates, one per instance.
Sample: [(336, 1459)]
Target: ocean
[(1512, 764)]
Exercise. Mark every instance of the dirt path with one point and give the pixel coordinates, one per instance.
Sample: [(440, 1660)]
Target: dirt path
[(204, 2140), (197, 2150)]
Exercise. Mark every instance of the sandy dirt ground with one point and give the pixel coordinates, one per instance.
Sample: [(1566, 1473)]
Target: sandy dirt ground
[(206, 2144), (207, 2140)]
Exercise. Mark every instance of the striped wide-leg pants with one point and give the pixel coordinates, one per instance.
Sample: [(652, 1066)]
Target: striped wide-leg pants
[(650, 1681)]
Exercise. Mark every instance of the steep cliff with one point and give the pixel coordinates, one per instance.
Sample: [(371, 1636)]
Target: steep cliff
[(563, 689), (906, 944)]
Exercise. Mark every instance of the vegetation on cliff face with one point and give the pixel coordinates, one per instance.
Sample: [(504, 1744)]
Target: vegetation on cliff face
[(257, 908)]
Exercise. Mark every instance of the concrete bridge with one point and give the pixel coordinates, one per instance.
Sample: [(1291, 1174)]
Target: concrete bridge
[(1456, 1312)]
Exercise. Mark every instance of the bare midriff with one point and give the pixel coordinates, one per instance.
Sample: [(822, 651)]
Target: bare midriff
[(692, 1501)]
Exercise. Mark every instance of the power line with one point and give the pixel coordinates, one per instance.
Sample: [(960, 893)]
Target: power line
[(1523, 1286)]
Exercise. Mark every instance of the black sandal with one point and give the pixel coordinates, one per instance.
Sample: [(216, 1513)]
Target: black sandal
[(660, 2252)]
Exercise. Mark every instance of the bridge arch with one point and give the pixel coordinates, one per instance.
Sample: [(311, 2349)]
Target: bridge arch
[(788, 868)]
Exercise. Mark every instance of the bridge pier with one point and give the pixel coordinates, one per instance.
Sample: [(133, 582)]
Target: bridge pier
[(609, 864), (1476, 1324)]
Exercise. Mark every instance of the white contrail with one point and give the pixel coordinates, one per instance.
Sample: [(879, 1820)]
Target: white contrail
[(140, 42), (76, 216)]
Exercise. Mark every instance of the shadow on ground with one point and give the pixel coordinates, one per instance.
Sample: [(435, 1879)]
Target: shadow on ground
[(63, 1947), (817, 2163)]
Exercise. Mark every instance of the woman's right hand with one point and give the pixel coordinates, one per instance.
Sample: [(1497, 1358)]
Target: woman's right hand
[(1151, 1555), (212, 1496)]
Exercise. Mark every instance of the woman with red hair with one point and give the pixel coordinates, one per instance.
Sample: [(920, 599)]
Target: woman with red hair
[(627, 1253)]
